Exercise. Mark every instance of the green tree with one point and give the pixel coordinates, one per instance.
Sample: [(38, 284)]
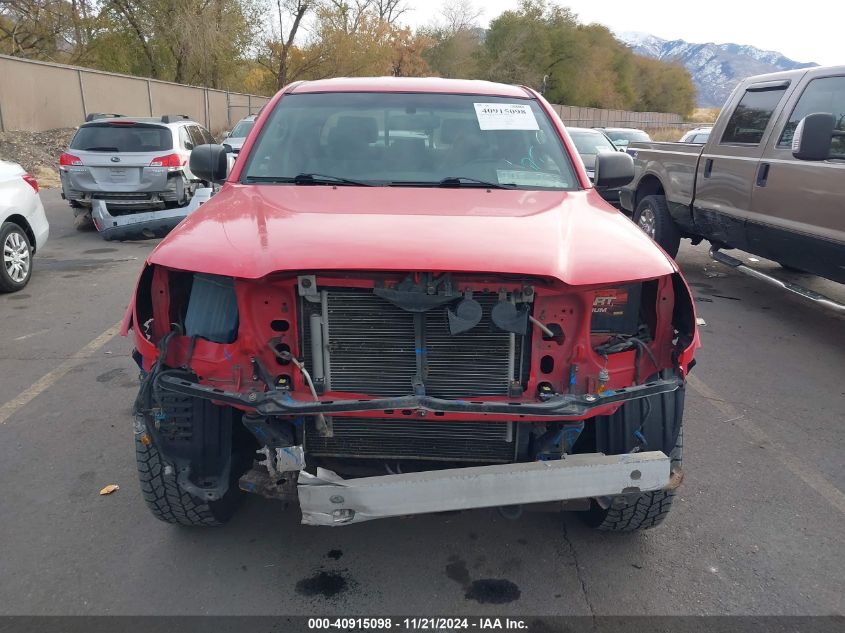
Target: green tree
[(455, 41), (542, 44)]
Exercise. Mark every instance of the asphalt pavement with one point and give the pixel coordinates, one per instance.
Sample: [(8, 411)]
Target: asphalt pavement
[(757, 528)]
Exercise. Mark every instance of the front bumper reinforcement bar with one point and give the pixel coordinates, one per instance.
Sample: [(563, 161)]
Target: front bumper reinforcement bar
[(327, 499), (280, 402)]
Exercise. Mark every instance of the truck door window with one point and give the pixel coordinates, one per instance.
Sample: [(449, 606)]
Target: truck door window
[(752, 115), (826, 94)]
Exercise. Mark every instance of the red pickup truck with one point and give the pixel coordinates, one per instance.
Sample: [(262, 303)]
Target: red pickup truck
[(407, 297)]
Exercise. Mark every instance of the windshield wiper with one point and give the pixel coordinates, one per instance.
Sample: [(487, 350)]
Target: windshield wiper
[(463, 181), (454, 181), (310, 179)]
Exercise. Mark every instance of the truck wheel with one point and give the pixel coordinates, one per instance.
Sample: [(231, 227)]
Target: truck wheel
[(652, 216), (167, 500), (642, 512)]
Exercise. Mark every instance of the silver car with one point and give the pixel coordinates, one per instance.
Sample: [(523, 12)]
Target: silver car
[(131, 166), (590, 143), (235, 139)]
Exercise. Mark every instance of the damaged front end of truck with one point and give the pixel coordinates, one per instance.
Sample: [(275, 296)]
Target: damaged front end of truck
[(368, 394)]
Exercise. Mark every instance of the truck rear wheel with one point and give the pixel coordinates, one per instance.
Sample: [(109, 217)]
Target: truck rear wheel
[(653, 217)]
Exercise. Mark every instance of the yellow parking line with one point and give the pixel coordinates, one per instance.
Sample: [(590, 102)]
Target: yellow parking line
[(804, 471), (49, 379)]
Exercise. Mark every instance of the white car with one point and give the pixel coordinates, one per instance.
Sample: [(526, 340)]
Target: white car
[(697, 136), (23, 225)]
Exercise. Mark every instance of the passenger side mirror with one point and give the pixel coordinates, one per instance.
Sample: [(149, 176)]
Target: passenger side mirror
[(228, 148), (226, 134), (613, 169), (813, 137), (210, 163)]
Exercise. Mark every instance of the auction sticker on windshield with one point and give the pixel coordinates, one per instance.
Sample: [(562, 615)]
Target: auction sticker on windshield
[(505, 116), (530, 178)]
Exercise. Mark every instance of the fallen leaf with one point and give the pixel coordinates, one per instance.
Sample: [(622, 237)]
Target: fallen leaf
[(109, 489)]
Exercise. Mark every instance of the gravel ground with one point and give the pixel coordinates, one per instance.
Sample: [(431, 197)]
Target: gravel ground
[(37, 152)]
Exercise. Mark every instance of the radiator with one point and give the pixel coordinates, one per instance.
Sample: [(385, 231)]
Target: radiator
[(373, 347), (399, 438)]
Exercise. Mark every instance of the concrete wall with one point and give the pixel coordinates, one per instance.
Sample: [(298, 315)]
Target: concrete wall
[(594, 117), (37, 96)]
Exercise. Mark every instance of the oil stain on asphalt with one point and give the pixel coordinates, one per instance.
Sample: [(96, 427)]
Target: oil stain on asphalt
[(493, 591), (110, 375), (325, 584), (483, 591)]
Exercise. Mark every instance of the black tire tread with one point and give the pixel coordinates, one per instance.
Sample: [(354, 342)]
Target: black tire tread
[(649, 509), (163, 495), (666, 231)]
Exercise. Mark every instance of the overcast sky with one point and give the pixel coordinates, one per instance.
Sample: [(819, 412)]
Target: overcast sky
[(807, 31)]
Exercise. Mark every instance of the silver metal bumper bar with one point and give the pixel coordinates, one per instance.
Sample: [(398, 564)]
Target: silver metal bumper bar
[(328, 499), (806, 293)]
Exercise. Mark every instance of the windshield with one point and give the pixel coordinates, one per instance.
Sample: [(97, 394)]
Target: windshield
[(412, 139), (590, 142), (628, 135), (242, 129), (122, 137)]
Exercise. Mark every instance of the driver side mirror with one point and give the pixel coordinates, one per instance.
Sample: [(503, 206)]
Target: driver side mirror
[(813, 137), (613, 169), (210, 163)]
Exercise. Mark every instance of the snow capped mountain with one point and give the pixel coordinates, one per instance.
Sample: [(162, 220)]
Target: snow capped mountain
[(715, 68)]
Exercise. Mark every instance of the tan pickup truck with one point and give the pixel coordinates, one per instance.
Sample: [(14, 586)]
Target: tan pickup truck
[(770, 180)]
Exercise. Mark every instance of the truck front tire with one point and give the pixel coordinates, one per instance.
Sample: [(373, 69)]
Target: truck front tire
[(653, 217), (646, 510), (650, 424), (165, 496), (169, 502)]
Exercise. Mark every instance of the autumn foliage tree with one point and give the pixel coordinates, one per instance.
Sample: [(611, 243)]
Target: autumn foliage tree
[(260, 46)]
